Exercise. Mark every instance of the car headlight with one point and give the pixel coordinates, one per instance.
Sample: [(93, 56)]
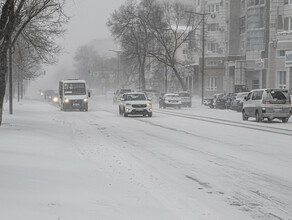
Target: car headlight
[(85, 100), (66, 100), (149, 104), (55, 99)]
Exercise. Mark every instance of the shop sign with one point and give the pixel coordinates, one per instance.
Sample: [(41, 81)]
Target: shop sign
[(259, 64)]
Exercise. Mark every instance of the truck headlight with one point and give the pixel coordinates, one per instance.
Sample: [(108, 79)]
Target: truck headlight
[(149, 104), (55, 99), (66, 100), (85, 100)]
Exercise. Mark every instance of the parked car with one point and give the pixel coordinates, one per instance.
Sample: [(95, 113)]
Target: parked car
[(170, 100), (220, 101), (237, 103), (229, 98), (186, 99), (214, 99), (267, 103), (135, 103), (119, 93)]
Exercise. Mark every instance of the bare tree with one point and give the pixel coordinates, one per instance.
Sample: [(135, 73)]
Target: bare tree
[(129, 26), (38, 21), (171, 27)]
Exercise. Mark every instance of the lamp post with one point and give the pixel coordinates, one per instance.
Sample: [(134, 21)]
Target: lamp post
[(203, 48), (118, 52)]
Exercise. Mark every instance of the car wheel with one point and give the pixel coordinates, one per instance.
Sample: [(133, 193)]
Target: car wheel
[(164, 106), (120, 111), (150, 114), (258, 118), (179, 107), (244, 116), (125, 114), (285, 120)]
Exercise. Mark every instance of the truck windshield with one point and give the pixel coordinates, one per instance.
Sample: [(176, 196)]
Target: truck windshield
[(74, 89)]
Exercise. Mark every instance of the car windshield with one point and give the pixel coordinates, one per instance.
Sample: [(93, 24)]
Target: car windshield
[(135, 97), (125, 90), (184, 94), (171, 96), (74, 89), (241, 95)]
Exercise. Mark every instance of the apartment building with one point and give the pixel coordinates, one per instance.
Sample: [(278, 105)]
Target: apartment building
[(248, 45)]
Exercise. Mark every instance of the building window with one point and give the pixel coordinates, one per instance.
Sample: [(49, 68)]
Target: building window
[(242, 25), (255, 40), (288, 24), (213, 27), (256, 2), (242, 4), (213, 47), (212, 84), (281, 80), (288, 2), (213, 7), (256, 18), (255, 84), (214, 62), (281, 53)]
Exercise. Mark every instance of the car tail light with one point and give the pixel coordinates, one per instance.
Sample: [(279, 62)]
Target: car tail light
[(266, 102), (288, 101)]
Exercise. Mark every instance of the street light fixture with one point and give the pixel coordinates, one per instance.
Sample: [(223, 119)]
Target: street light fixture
[(203, 49)]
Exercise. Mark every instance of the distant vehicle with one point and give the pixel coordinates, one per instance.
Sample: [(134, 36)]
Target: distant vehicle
[(48, 94), (135, 103), (237, 103), (267, 103), (211, 102), (73, 95), (170, 100), (55, 98), (186, 99), (229, 98), (119, 93)]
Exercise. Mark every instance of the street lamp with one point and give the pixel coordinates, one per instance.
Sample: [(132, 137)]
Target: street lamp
[(118, 52), (203, 49)]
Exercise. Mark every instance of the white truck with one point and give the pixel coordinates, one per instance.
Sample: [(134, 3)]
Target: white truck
[(73, 95)]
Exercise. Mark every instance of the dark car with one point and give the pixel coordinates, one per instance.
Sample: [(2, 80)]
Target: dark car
[(212, 102), (224, 102), (119, 93), (186, 99), (237, 103), (170, 100), (48, 94)]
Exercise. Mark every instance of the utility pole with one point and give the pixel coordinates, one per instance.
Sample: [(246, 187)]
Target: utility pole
[(203, 49)]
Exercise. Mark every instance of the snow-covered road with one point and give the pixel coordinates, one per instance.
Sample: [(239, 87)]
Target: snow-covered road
[(99, 165)]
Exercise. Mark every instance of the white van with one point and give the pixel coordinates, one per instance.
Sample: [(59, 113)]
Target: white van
[(73, 95), (267, 103)]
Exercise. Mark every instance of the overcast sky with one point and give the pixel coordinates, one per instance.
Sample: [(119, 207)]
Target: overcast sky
[(88, 22)]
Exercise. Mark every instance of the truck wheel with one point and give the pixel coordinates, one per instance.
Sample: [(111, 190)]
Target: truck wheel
[(150, 114), (244, 116)]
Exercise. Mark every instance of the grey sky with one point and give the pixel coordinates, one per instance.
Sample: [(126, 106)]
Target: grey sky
[(88, 22)]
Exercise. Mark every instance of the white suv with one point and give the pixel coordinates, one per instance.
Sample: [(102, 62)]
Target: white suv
[(135, 103), (267, 103)]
